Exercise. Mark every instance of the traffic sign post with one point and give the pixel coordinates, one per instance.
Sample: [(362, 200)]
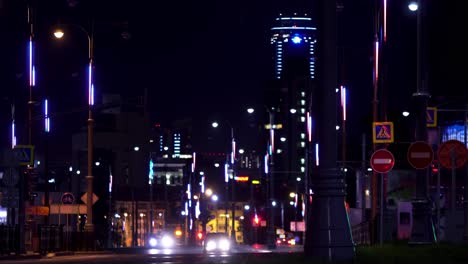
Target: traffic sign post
[(452, 154), (420, 155), (24, 154), (382, 161), (382, 132), (67, 198)]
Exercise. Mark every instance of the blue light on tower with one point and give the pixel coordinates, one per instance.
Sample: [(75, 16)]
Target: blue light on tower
[(296, 39)]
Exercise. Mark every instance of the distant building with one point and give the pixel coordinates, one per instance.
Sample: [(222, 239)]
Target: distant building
[(293, 40)]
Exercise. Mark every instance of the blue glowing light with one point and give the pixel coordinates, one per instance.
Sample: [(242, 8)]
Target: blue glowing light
[(296, 39)]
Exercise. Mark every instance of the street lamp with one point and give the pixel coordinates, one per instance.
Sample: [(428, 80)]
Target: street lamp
[(413, 6), (232, 162), (421, 232), (268, 166), (59, 34)]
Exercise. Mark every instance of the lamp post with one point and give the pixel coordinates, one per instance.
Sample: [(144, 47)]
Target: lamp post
[(271, 241), (328, 232), (269, 165), (231, 160), (89, 227), (421, 232)]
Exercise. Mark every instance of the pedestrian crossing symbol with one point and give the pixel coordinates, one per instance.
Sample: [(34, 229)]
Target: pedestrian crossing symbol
[(431, 116), (382, 132)]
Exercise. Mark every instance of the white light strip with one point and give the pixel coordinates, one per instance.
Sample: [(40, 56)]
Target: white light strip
[(293, 28)]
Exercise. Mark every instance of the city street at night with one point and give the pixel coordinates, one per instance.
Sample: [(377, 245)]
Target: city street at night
[(234, 131), (240, 254)]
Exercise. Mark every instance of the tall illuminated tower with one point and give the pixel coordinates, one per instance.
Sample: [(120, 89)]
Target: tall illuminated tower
[(293, 40), (293, 43)]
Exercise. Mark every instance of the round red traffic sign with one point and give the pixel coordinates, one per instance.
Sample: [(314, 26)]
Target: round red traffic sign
[(382, 161), (459, 155), (420, 155)]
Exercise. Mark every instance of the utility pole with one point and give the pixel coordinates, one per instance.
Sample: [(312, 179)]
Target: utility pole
[(328, 235)]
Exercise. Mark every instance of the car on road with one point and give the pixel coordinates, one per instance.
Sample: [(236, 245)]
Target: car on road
[(216, 243), (164, 240)]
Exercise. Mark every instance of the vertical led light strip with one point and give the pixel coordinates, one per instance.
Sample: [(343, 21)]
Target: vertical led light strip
[(30, 62), (202, 184), (385, 20), (13, 137), (265, 161), (309, 127), (272, 140), (46, 116), (376, 66), (343, 101), (197, 209), (90, 84), (226, 174), (33, 76), (151, 172), (317, 159), (193, 162), (110, 180), (233, 153)]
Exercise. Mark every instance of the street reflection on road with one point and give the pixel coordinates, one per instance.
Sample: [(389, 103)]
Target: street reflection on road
[(155, 251)]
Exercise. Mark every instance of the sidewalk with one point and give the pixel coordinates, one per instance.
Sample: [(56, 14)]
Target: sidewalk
[(31, 255)]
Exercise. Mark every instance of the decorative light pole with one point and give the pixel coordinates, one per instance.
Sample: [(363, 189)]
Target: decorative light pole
[(269, 165), (328, 232), (231, 160), (421, 232), (89, 226)]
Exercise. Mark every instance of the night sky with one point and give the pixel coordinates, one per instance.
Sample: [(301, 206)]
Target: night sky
[(211, 59)]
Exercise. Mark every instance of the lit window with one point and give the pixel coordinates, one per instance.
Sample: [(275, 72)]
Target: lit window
[(302, 144), (302, 102), (303, 119), (302, 161), (302, 135)]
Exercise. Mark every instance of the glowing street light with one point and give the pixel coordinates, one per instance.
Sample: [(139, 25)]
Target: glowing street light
[(413, 6), (405, 113), (58, 33)]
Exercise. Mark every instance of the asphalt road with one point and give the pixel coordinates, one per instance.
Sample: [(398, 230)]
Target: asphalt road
[(193, 255)]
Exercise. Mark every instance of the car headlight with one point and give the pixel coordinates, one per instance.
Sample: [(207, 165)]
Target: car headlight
[(210, 245), (224, 244), (167, 241), (153, 242)]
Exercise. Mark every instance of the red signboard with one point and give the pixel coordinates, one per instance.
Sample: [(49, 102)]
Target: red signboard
[(382, 161), (420, 155), (459, 155)]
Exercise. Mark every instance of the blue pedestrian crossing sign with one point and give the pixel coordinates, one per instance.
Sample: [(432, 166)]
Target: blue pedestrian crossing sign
[(382, 132), (24, 154), (431, 116)]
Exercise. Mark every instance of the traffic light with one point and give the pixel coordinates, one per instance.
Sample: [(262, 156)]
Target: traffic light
[(256, 220), (200, 235)]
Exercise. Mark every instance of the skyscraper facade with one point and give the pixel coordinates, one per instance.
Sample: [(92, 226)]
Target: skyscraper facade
[(293, 43)]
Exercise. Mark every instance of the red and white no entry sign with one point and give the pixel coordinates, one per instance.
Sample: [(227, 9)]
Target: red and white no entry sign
[(382, 161), (420, 155)]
